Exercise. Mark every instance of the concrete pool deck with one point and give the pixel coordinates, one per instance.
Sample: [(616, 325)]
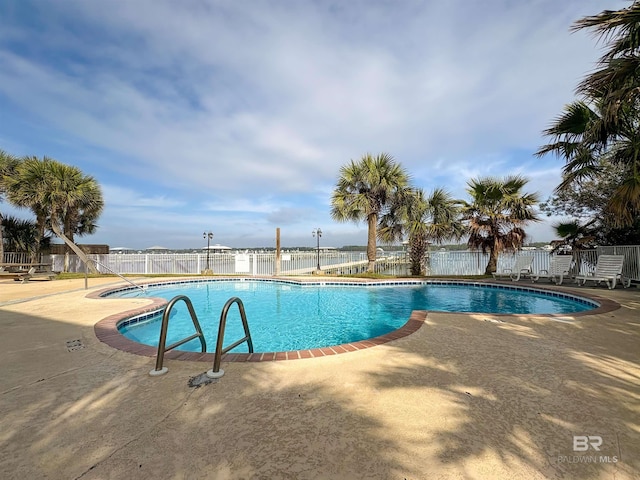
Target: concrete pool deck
[(465, 396)]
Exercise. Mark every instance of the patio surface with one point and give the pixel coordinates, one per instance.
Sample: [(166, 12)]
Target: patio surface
[(467, 396)]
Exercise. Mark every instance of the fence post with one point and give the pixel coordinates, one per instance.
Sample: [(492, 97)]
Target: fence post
[(278, 255)]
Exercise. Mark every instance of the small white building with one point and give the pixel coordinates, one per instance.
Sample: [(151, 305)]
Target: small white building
[(217, 248)]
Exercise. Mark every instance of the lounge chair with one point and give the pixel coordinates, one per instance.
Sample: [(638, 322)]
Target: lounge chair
[(608, 270), (521, 268), (559, 267)]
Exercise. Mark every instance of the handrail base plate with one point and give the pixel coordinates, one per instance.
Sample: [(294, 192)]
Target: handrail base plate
[(212, 374)]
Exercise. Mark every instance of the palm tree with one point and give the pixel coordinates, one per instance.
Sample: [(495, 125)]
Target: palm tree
[(578, 136), (25, 188), (423, 220), (76, 202), (59, 195), (496, 215), (574, 234), (71, 196), (606, 125), (365, 191), (20, 235), (583, 139), (616, 81), (8, 164)]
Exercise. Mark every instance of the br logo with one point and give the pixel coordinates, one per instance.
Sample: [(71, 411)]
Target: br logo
[(581, 443)]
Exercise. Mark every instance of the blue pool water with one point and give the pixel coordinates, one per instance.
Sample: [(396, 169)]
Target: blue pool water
[(289, 316)]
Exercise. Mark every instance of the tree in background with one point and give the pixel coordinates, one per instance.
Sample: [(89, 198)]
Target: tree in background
[(575, 235), (423, 220), (8, 163), (496, 215), (21, 236), (615, 80), (59, 195), (24, 188), (604, 126), (365, 191), (585, 203)]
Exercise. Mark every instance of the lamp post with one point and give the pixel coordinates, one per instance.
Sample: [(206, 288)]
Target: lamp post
[(317, 233), (208, 236)]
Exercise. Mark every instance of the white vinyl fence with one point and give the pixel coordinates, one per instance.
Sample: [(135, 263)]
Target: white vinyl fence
[(256, 264), (439, 263)]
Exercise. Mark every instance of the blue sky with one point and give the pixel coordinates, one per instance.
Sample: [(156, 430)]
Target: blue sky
[(236, 116)]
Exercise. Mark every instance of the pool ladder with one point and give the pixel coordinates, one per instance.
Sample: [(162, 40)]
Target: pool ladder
[(216, 371)]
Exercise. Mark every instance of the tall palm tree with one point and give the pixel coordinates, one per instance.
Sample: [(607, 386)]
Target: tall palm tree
[(582, 137), (70, 196), (8, 164), (579, 137), (496, 215), (26, 187), (424, 220), (365, 191), (76, 202), (616, 80), (607, 124), (59, 195)]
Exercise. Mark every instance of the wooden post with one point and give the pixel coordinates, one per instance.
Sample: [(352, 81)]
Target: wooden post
[(278, 257)]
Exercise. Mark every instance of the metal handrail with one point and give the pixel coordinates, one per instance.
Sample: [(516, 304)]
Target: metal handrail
[(160, 370), (216, 372), (116, 273)]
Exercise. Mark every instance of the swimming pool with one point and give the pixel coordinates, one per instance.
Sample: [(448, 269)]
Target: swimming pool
[(287, 315)]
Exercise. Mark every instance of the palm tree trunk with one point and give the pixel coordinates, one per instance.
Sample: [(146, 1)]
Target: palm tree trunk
[(492, 266), (74, 247), (372, 220), (417, 255), (1, 240), (68, 231), (40, 222)]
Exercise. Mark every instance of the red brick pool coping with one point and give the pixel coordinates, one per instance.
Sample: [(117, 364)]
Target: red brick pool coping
[(107, 332)]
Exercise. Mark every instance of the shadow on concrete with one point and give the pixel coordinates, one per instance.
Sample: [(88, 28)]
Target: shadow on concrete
[(522, 388), (94, 412)]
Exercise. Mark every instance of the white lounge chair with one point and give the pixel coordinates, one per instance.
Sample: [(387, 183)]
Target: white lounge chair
[(608, 270), (521, 268), (559, 267)]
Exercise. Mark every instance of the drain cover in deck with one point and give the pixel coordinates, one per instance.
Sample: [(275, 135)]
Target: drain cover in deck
[(73, 345)]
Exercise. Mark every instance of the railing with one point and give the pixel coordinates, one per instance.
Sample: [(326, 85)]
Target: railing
[(216, 371), (115, 273), (439, 263), (255, 264), (13, 257), (160, 370)]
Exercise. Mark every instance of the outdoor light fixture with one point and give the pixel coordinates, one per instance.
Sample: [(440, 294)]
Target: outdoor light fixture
[(208, 236), (317, 233)]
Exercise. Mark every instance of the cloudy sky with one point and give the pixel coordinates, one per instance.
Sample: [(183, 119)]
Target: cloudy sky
[(236, 116)]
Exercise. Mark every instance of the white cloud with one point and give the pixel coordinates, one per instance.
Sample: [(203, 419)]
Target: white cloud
[(118, 196), (214, 108)]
